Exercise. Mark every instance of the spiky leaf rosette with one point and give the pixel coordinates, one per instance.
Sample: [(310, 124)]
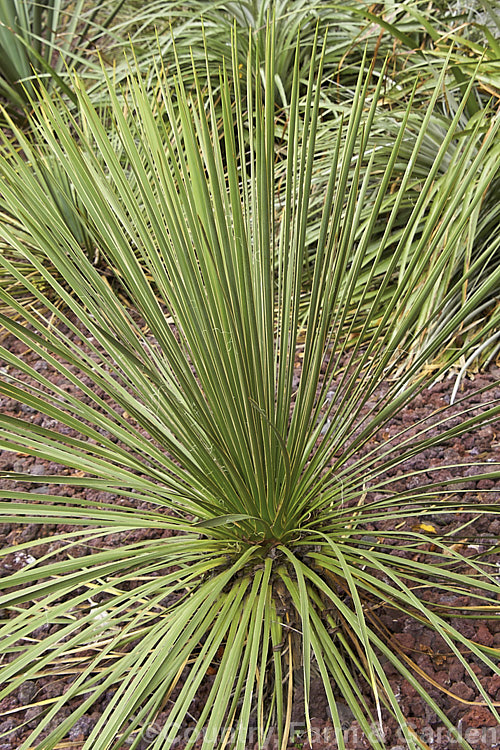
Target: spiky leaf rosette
[(253, 477)]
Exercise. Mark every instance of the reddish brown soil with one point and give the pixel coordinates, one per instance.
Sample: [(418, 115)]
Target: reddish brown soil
[(446, 673)]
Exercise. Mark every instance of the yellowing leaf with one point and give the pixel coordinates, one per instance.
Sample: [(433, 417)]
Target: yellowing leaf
[(428, 527)]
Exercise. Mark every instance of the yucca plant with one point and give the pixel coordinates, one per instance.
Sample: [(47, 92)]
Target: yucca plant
[(253, 478)]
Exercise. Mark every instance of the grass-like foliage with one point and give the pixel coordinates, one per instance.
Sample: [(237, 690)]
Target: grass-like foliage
[(477, 249), (199, 418)]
